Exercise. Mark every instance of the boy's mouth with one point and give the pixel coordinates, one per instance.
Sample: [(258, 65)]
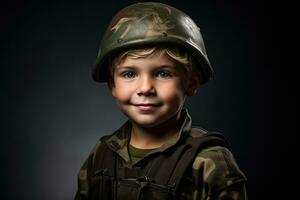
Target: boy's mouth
[(147, 104), (146, 107)]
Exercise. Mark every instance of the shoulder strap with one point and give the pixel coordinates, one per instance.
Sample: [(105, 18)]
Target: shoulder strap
[(105, 159), (170, 167), (207, 140)]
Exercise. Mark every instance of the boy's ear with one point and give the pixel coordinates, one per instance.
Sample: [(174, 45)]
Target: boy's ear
[(113, 92), (193, 84), (112, 89)]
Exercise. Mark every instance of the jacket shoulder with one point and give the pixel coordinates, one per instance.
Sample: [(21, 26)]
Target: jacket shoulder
[(197, 131), (218, 167)]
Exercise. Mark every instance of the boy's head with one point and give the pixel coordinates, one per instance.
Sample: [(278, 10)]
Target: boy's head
[(152, 56)]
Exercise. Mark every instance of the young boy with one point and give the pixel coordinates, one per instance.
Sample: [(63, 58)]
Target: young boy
[(152, 57)]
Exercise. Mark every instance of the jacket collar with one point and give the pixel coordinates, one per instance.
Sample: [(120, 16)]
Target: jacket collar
[(119, 140)]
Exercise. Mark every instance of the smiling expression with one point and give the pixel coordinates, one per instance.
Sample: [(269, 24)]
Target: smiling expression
[(150, 90)]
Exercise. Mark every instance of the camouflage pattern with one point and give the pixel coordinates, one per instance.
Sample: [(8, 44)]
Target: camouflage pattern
[(151, 24), (214, 170)]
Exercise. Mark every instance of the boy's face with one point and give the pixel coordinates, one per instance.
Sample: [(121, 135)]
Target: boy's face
[(151, 90)]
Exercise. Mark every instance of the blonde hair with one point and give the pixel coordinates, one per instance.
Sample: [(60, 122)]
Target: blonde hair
[(177, 54)]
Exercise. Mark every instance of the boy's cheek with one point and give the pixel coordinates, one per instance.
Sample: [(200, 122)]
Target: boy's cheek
[(120, 94), (171, 95)]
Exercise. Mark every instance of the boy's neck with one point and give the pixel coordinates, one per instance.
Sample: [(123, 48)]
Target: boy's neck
[(153, 137)]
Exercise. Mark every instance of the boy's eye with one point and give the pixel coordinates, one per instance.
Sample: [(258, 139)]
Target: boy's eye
[(129, 74), (163, 74)]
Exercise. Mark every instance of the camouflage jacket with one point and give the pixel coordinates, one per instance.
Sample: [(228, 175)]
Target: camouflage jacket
[(214, 166)]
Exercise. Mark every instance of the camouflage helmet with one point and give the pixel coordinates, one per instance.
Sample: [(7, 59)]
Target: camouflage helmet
[(150, 24)]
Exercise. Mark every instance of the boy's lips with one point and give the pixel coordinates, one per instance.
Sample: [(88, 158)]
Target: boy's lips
[(147, 104), (146, 107)]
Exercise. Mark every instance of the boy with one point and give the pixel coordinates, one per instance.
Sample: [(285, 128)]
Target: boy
[(152, 56)]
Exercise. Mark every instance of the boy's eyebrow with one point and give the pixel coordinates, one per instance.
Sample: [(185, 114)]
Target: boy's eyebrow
[(167, 66), (125, 67)]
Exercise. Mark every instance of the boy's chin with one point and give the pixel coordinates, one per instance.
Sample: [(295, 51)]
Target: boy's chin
[(145, 123), (150, 122)]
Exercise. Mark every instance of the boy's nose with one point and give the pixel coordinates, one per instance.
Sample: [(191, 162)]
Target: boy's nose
[(146, 87)]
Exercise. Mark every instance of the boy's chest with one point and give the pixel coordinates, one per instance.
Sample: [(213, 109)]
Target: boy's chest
[(135, 181)]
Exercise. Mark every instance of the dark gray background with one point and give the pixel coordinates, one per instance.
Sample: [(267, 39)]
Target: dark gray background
[(53, 112)]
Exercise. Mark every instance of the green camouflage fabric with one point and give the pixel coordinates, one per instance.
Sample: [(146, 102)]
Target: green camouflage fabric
[(214, 167), (151, 24)]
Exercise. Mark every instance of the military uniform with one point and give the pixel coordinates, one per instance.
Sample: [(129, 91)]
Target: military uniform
[(214, 173)]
